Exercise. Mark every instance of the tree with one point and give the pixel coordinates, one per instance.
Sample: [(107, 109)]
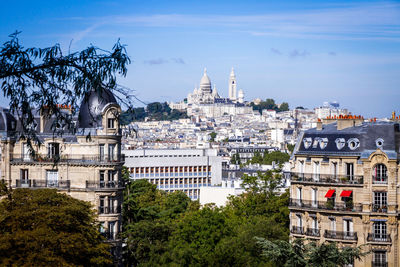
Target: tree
[(275, 156), (284, 106), (290, 147), (297, 254), (48, 79), (213, 135), (150, 216), (45, 228), (235, 159)]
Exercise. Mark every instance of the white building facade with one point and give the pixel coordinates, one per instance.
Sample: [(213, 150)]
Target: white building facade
[(187, 170)]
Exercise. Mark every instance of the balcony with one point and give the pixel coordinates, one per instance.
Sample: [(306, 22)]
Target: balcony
[(297, 230), (325, 205), (108, 235), (379, 179), (379, 264), (311, 178), (379, 238), (68, 158), (103, 185), (35, 183), (313, 232), (109, 210), (351, 236)]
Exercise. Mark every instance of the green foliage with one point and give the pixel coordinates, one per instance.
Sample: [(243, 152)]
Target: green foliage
[(284, 106), (46, 77), (149, 214), (269, 103), (213, 135), (290, 147), (169, 229), (235, 159), (267, 159), (155, 111), (297, 254), (45, 228)]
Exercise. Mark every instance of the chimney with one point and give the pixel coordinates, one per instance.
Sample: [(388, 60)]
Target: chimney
[(344, 121), (319, 125)]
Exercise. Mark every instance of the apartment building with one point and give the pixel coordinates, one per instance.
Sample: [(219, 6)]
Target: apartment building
[(187, 170), (85, 165), (345, 187)]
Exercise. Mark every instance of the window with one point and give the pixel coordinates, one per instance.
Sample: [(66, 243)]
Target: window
[(348, 227), (333, 224), (379, 259), (380, 231), (379, 175), (101, 152), (334, 170), (52, 178), (110, 178), (314, 223), (25, 152), (340, 143), (353, 143), (102, 179), (380, 202), (101, 205), (316, 170), (111, 123), (111, 229), (111, 152), (53, 150), (111, 206), (314, 198), (350, 171), (299, 196), (24, 175)]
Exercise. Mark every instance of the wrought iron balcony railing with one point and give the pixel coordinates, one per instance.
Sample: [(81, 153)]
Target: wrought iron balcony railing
[(109, 210), (379, 179), (43, 183), (326, 178), (382, 207), (340, 235), (73, 158), (103, 184), (325, 205), (297, 230), (374, 237), (379, 264), (313, 232)]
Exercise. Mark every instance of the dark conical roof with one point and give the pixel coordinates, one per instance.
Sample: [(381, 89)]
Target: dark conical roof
[(7, 121), (92, 107)]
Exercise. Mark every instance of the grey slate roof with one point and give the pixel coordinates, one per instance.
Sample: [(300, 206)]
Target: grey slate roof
[(367, 133)]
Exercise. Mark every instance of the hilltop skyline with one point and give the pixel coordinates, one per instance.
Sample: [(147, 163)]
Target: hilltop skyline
[(303, 54)]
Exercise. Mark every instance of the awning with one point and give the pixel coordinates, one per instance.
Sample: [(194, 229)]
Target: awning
[(346, 193), (330, 193)]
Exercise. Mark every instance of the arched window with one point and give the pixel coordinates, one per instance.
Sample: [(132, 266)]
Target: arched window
[(379, 175)]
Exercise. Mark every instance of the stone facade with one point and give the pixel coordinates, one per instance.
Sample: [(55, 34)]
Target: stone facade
[(85, 165), (344, 187)]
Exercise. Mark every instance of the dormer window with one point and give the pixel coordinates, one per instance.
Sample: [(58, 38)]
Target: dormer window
[(316, 142), (323, 143), (340, 143), (111, 123), (307, 142), (379, 142), (353, 143)]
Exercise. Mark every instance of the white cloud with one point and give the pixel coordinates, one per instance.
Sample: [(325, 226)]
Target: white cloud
[(378, 21)]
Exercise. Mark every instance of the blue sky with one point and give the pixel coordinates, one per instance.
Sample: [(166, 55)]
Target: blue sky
[(303, 53)]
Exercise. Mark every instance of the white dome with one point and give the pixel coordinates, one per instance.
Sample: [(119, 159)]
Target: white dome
[(205, 80), (205, 83)]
